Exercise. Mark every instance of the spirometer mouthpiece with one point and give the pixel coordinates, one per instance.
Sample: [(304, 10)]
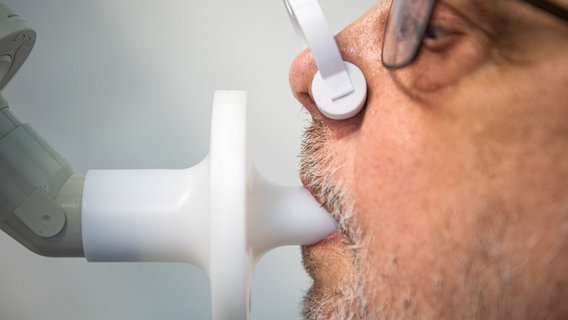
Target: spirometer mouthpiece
[(219, 215), (339, 87)]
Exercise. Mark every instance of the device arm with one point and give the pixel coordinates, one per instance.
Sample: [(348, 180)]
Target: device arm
[(40, 198)]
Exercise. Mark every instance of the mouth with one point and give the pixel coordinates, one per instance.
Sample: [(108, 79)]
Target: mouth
[(337, 236), (331, 263), (313, 189), (326, 260)]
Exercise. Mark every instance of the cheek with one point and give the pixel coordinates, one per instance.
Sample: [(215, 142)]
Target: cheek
[(405, 165), (408, 175), (387, 162)]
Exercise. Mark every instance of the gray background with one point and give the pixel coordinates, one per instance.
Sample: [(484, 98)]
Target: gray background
[(129, 84)]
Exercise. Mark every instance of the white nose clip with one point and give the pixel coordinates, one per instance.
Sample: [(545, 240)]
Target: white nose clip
[(339, 87)]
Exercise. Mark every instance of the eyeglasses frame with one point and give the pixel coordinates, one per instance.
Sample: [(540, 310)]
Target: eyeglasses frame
[(545, 5)]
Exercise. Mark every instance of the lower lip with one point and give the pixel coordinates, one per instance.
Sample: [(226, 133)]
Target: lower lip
[(333, 236)]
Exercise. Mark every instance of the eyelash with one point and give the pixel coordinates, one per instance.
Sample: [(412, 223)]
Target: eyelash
[(435, 32), (445, 26), (438, 33)]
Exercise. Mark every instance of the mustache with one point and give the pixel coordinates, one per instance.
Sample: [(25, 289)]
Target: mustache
[(318, 169)]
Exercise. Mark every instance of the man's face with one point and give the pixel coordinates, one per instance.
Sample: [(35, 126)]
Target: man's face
[(451, 185)]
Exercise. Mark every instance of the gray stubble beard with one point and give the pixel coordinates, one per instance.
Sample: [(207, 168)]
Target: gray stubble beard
[(319, 168)]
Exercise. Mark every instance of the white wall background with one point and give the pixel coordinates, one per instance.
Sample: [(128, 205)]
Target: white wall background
[(129, 84)]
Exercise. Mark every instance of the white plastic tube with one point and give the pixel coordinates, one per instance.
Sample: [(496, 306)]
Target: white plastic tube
[(146, 215), (219, 215)]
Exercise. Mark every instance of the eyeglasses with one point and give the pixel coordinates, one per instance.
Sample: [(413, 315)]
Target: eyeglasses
[(407, 23)]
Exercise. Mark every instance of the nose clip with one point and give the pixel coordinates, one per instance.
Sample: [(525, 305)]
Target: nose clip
[(339, 87)]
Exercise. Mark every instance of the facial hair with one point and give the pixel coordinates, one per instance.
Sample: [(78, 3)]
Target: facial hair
[(318, 168), (478, 281)]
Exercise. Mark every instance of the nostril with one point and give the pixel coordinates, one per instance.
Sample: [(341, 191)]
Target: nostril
[(301, 74)]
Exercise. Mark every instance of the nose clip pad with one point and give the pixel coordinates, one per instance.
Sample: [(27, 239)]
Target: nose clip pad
[(339, 87)]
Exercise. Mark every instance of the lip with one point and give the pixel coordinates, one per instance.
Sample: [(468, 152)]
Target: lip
[(335, 237), (326, 260), (308, 186), (320, 259), (306, 183)]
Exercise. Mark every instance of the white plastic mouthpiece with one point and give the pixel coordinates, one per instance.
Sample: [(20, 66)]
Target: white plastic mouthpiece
[(339, 87), (219, 215)]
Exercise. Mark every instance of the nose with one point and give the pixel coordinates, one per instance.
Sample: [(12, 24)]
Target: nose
[(352, 45), (302, 71), (337, 96), (338, 88)]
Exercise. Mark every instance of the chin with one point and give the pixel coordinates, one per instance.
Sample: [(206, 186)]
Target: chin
[(336, 291)]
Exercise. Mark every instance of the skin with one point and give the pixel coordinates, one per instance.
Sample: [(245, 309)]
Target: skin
[(450, 186)]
